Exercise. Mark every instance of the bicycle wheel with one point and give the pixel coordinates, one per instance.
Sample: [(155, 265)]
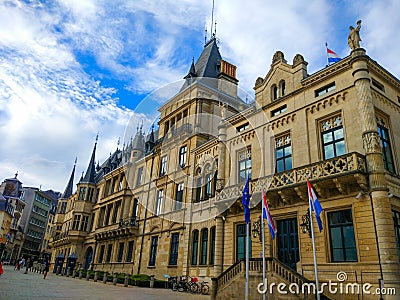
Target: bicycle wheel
[(193, 288), (181, 287), (205, 290)]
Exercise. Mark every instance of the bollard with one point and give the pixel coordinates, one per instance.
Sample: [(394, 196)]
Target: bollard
[(95, 276), (105, 277), (151, 281), (87, 275), (126, 281), (73, 273), (80, 274), (68, 270), (115, 278)]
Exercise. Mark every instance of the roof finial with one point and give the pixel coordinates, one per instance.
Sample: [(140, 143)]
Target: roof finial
[(215, 29), (205, 34), (76, 160), (16, 174), (212, 18), (118, 142)]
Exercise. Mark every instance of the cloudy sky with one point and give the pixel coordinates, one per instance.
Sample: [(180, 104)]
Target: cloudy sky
[(70, 69)]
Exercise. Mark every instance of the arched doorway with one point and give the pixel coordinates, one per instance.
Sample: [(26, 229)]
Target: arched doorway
[(88, 257)]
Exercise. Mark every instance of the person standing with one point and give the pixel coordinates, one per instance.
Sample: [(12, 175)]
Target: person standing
[(27, 263), (1, 267), (46, 269)]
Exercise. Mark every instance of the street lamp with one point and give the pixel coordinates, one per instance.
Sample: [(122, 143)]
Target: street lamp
[(256, 231), (306, 223)]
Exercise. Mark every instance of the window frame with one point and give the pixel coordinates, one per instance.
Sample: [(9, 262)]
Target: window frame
[(247, 167), (163, 165), (386, 148), (153, 251), (195, 247), (182, 156), (179, 196), (203, 247), (159, 201), (174, 249)]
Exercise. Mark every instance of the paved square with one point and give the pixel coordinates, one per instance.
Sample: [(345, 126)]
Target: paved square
[(15, 285)]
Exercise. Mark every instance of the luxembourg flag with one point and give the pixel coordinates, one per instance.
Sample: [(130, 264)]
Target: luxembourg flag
[(315, 205), (267, 215), (332, 56)]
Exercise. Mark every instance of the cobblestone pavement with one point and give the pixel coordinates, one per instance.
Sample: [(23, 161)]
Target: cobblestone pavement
[(15, 285)]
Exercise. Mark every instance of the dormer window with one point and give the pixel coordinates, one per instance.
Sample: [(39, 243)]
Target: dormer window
[(274, 92)]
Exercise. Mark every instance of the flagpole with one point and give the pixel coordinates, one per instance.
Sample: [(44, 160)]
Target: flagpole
[(327, 57), (263, 243), (314, 252), (247, 260)]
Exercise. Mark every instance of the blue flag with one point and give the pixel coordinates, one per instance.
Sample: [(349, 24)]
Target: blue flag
[(246, 201), (315, 205)]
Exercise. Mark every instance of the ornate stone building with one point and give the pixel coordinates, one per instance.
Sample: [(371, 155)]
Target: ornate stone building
[(170, 202)]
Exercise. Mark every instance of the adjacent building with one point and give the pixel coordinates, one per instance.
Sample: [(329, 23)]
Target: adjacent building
[(170, 201)]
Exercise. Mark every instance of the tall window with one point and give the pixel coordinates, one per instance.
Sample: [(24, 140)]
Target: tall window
[(244, 165), (135, 207), (82, 193), (208, 192), (212, 245), (282, 87), (139, 176), (107, 219), (109, 252), (120, 251), (130, 252), (386, 148), (241, 242), (199, 188), (341, 232), (163, 165), (90, 194), (115, 214), (159, 202), (204, 243), (179, 196), (182, 156), (283, 153), (153, 251), (75, 224), (396, 220), (101, 254), (84, 223), (173, 253), (274, 92), (332, 137), (195, 246)]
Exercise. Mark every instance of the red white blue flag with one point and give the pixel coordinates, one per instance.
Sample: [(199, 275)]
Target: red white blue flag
[(332, 56), (315, 205), (267, 215)]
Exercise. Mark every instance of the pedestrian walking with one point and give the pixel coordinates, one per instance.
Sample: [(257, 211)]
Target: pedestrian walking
[(16, 265), (27, 263), (1, 267), (46, 269)]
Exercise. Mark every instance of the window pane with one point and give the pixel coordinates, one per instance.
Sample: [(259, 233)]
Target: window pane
[(327, 137), (340, 148), (279, 153), (328, 150), (280, 166), (338, 133)]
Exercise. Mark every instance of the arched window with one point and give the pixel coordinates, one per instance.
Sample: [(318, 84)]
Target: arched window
[(274, 92), (195, 246), (199, 186), (204, 243), (282, 88)]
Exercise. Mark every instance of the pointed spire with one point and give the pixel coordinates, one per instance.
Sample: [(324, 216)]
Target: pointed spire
[(192, 71), (69, 189), (91, 170)]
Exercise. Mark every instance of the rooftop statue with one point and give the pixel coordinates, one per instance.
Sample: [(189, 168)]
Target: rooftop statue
[(354, 36)]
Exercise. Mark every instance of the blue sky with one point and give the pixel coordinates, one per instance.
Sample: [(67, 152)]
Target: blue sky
[(72, 68)]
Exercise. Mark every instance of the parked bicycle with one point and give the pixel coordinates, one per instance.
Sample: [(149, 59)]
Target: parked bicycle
[(203, 288), (187, 284)]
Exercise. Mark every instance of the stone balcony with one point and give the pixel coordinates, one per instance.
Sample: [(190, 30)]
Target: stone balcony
[(344, 174), (125, 227)]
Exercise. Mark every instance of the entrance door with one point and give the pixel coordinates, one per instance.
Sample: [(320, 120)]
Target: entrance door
[(288, 243), (89, 257)]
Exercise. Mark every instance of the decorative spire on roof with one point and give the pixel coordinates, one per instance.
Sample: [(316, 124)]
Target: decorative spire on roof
[(91, 170), (16, 174), (192, 71), (69, 189)]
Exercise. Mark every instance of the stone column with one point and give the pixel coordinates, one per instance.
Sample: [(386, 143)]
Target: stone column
[(219, 242), (373, 153), (221, 155)]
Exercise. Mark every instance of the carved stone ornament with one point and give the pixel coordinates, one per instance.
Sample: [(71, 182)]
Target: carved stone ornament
[(259, 81), (278, 56), (298, 59), (371, 142)]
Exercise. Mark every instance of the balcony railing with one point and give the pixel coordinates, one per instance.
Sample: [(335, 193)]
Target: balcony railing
[(127, 222), (181, 130), (342, 165)]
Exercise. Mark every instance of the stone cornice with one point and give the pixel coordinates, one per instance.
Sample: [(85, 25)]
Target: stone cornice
[(386, 101), (382, 72)]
